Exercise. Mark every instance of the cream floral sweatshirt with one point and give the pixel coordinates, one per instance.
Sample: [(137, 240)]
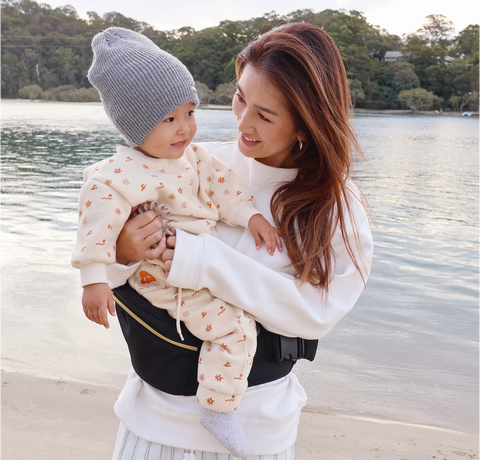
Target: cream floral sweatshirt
[(197, 189)]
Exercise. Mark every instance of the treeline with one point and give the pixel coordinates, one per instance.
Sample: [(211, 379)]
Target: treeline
[(46, 53)]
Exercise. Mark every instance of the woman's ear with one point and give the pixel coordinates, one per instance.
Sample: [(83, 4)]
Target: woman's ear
[(300, 140), (301, 137)]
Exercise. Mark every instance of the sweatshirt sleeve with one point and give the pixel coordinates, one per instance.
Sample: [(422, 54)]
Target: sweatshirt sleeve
[(102, 214), (118, 274), (275, 299), (226, 190)]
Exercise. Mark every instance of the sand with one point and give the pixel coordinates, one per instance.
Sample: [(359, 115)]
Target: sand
[(45, 419)]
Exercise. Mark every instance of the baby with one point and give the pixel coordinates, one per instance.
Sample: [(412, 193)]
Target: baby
[(150, 97)]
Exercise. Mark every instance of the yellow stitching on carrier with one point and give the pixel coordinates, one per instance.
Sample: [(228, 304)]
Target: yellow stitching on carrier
[(153, 331)]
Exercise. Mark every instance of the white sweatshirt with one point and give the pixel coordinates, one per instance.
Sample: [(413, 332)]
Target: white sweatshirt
[(233, 270)]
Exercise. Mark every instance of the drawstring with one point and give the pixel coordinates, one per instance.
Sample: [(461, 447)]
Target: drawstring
[(189, 455), (179, 310), (168, 230)]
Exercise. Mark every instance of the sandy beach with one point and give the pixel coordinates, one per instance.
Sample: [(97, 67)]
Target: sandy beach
[(57, 420)]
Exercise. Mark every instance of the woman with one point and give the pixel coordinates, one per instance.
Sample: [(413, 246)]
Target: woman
[(294, 151)]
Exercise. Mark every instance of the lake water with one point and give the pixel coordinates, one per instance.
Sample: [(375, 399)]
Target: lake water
[(408, 351)]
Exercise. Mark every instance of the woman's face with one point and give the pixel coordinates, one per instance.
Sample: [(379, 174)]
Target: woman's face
[(266, 129)]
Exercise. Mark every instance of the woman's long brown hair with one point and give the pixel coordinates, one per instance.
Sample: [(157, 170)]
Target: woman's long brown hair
[(304, 64)]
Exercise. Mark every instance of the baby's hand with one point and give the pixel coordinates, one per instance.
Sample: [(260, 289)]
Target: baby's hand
[(261, 229), (97, 300)]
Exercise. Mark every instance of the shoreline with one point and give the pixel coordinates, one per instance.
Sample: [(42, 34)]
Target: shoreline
[(228, 107), (74, 420), (416, 112)]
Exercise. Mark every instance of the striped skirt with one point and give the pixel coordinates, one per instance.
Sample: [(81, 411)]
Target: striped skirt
[(130, 447)]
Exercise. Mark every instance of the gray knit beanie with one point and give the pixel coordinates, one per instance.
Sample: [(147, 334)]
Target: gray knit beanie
[(139, 83)]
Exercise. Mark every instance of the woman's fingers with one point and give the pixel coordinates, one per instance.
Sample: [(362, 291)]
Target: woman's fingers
[(168, 255), (157, 251), (137, 237)]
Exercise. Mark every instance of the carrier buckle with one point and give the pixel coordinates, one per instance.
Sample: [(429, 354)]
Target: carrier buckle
[(290, 348)]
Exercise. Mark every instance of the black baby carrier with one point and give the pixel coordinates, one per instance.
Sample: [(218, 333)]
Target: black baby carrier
[(162, 360)]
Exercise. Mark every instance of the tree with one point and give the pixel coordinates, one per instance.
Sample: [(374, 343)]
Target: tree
[(14, 75), (205, 94), (401, 75), (454, 103), (114, 19), (425, 61), (224, 93), (418, 99), (31, 92), (414, 44), (67, 10), (466, 43), (474, 77), (470, 98), (438, 30), (52, 47), (356, 91), (397, 76)]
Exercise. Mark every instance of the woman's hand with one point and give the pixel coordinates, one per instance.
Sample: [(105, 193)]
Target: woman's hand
[(138, 236), (168, 254)]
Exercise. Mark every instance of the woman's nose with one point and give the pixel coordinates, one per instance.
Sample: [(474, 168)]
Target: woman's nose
[(244, 122)]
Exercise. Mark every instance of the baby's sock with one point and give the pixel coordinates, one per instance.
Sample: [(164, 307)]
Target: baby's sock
[(227, 429)]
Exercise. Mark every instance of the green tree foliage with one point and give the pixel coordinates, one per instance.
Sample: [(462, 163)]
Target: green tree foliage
[(474, 78), (224, 93), (418, 99), (356, 91), (396, 77), (470, 99), (437, 30), (68, 93), (430, 54), (29, 92), (401, 75), (205, 94), (466, 43), (51, 48)]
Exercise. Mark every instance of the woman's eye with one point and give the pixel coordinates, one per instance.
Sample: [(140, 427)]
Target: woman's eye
[(240, 98), (263, 118)]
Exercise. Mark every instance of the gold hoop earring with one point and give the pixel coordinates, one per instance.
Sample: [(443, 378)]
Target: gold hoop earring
[(300, 144)]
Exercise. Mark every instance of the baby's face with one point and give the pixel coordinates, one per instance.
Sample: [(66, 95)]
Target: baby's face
[(173, 134)]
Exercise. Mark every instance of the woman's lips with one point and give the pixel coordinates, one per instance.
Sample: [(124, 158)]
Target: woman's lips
[(247, 141)]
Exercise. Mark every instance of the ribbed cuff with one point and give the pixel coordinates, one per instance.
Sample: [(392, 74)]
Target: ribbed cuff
[(187, 261), (244, 213), (92, 273)]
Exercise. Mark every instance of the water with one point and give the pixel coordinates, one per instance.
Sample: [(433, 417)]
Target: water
[(408, 351)]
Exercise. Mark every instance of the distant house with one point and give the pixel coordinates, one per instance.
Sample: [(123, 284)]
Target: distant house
[(448, 60), (393, 56)]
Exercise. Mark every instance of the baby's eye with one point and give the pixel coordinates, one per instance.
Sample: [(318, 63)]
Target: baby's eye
[(191, 113), (169, 120)]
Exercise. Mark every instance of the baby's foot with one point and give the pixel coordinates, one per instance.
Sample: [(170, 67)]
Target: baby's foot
[(227, 429)]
